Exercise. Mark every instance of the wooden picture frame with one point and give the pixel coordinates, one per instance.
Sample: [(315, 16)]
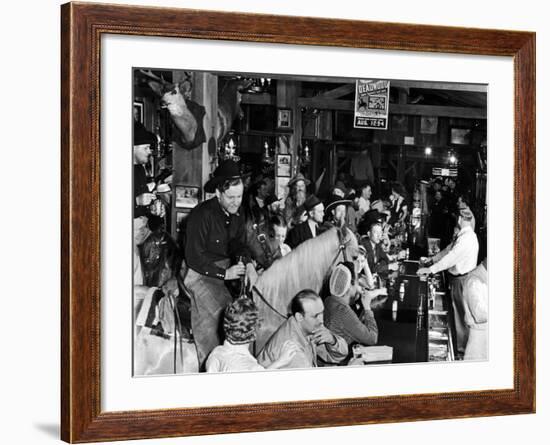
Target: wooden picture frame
[(186, 196), (428, 124), (83, 25), (284, 119), (284, 166), (460, 136), (139, 113)]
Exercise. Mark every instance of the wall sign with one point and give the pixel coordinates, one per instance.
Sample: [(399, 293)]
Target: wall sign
[(372, 101)]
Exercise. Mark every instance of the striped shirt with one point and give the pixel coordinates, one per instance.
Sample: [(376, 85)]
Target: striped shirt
[(340, 319)]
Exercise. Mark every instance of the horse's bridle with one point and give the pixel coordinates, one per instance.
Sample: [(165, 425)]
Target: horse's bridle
[(341, 248)]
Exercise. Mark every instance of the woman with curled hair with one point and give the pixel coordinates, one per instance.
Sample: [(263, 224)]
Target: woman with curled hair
[(240, 325)]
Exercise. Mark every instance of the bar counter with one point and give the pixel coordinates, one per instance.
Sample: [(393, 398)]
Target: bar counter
[(419, 330)]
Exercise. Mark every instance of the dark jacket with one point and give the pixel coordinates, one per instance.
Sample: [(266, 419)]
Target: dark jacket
[(378, 259), (213, 235), (298, 234)]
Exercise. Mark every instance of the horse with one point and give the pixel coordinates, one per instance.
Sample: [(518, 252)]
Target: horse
[(305, 267)]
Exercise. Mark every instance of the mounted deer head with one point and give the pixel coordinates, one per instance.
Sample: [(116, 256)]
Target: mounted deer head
[(186, 114)]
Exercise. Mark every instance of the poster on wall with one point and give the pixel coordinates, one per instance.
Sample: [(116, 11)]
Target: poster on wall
[(372, 101), (284, 166)]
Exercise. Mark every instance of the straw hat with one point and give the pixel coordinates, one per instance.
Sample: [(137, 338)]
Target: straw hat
[(298, 177)]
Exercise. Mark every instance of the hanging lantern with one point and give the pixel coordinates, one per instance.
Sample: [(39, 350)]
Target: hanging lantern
[(306, 154)]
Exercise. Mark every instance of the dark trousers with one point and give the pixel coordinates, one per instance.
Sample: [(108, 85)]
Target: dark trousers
[(457, 296)]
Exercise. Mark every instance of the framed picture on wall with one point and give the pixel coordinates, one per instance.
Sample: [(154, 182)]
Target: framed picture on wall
[(139, 115), (187, 196), (461, 136), (284, 165), (284, 119), (428, 125)]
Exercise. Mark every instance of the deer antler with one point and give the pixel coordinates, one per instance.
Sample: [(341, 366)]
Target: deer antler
[(149, 73)]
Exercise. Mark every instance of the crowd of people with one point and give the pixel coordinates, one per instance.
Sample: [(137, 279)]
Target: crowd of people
[(244, 228)]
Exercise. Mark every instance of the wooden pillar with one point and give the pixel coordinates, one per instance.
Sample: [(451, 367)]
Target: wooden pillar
[(287, 97), (192, 167), (288, 142)]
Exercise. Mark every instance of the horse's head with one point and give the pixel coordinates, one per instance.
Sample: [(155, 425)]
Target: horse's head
[(348, 243)]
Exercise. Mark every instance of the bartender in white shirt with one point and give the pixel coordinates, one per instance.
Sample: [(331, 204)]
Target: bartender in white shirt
[(459, 258)]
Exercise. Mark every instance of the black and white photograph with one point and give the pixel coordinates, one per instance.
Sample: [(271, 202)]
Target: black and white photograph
[(284, 166), (284, 119), (187, 197), (138, 112), (365, 246)]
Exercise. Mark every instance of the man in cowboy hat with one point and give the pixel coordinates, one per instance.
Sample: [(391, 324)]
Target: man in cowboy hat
[(336, 211), (215, 237), (309, 228), (339, 189), (273, 205), (296, 198)]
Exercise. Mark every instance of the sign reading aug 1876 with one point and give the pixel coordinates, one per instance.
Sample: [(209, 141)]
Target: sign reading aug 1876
[(372, 101)]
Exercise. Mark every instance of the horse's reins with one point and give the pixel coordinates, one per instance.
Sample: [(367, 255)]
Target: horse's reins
[(255, 289), (341, 250)]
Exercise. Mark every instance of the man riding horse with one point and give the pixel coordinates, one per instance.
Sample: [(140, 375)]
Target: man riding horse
[(215, 238)]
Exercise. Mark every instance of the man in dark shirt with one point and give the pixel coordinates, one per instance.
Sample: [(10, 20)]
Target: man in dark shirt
[(311, 227), (379, 261), (214, 237)]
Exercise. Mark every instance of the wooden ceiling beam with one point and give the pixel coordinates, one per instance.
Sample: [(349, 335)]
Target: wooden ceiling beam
[(348, 105), (258, 99), (414, 110), (402, 83), (439, 110), (337, 92)]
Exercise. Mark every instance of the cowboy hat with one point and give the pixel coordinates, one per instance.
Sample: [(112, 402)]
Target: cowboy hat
[(227, 169), (311, 201), (142, 136), (399, 188), (334, 201), (370, 217), (341, 187), (298, 177)]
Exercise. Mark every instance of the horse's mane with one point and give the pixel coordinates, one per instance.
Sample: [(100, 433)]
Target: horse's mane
[(305, 267)]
